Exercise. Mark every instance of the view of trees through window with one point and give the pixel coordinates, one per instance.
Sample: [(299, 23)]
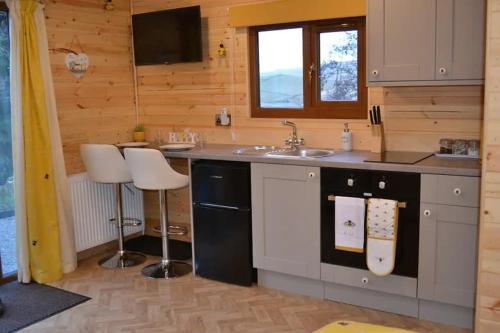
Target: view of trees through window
[(338, 74), (7, 226)]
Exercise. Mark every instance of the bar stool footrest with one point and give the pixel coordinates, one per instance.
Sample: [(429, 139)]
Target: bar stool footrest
[(128, 222), (177, 230)]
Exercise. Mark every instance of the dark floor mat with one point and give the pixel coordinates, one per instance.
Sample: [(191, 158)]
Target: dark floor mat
[(26, 304), (151, 245)]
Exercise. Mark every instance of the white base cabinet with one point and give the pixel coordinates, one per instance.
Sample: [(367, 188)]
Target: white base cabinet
[(448, 239), (286, 247), (447, 267), (286, 219)]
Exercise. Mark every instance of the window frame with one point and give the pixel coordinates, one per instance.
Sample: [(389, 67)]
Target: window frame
[(313, 108)]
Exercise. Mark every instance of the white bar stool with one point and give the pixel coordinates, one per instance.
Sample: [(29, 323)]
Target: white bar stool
[(151, 171), (105, 164)]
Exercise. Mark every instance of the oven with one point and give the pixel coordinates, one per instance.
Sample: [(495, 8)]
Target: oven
[(400, 186)]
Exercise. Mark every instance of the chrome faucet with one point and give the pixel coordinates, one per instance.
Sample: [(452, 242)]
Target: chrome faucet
[(293, 140)]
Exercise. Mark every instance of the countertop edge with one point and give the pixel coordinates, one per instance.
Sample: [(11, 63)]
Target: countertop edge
[(420, 167)]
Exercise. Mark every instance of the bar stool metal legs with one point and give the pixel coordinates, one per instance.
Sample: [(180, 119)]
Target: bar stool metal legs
[(166, 268), (121, 258)]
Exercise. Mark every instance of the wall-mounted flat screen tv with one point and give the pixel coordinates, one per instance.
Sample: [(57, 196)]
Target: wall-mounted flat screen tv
[(168, 36)]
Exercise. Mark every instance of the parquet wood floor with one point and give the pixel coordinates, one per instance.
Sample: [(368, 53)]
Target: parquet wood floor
[(124, 301)]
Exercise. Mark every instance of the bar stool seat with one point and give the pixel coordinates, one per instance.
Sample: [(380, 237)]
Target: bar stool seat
[(151, 171), (105, 164)]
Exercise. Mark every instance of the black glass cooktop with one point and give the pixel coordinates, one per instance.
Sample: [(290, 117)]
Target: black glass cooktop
[(398, 157)]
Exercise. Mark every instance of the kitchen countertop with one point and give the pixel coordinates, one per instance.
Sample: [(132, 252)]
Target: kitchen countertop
[(351, 160)]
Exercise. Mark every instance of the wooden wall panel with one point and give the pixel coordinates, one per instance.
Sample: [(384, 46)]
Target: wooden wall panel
[(99, 107), (488, 290), (182, 96)]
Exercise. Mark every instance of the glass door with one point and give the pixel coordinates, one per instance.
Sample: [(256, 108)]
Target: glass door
[(8, 265)]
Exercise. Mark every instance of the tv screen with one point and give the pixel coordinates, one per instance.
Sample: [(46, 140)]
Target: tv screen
[(167, 37)]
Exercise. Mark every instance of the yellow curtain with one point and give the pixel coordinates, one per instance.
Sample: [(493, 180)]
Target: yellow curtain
[(40, 196)]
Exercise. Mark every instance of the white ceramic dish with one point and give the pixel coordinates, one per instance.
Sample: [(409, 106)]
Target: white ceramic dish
[(132, 144), (178, 146), (455, 156)]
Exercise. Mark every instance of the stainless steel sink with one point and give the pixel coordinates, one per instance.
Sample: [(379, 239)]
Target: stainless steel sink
[(301, 152), (273, 151), (254, 151)]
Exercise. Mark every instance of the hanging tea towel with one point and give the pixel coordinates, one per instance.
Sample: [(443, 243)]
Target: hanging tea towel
[(350, 224), (382, 225)]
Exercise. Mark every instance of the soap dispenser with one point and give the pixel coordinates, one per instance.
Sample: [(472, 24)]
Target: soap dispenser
[(346, 138), (225, 118)]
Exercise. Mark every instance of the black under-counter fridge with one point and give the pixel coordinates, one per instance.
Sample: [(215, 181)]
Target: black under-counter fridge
[(222, 220)]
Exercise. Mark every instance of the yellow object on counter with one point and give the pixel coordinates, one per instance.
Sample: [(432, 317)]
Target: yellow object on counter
[(355, 327), (139, 136)]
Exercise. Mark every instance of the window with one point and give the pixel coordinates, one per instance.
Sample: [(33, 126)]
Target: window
[(309, 70), (7, 223)]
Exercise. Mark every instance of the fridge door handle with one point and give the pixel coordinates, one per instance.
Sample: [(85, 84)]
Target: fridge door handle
[(209, 205)]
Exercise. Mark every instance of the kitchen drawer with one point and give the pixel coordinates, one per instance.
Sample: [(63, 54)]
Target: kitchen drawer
[(345, 181), (450, 190), (360, 278), (395, 185)]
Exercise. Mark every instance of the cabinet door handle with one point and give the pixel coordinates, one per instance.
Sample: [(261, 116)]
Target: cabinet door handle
[(427, 212), (350, 182), (365, 280), (442, 71), (375, 72), (381, 185), (311, 175), (457, 191)]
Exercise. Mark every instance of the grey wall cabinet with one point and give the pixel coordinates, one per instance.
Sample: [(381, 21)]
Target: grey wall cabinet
[(286, 219), (460, 40), (448, 242), (425, 42), (401, 40)]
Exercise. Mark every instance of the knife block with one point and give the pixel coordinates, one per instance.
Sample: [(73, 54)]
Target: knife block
[(378, 139)]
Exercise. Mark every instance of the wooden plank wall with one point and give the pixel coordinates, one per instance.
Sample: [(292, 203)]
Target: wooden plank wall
[(188, 95), (488, 291), (99, 107), (183, 96)]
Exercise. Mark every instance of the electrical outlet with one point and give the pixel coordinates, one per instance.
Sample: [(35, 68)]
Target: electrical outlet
[(218, 121)]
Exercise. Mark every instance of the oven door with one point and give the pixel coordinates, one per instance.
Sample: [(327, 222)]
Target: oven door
[(405, 187)]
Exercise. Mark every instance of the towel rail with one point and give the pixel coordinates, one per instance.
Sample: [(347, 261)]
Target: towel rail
[(400, 204)]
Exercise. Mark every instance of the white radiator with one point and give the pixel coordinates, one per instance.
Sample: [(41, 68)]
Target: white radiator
[(93, 206)]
